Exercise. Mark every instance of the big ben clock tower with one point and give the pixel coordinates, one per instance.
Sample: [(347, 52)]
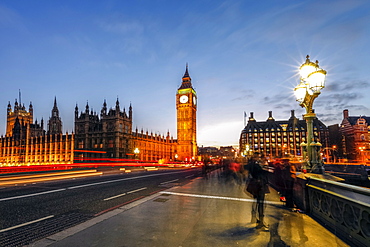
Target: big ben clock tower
[(186, 106)]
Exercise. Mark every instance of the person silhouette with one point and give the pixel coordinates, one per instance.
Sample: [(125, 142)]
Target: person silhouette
[(259, 181)]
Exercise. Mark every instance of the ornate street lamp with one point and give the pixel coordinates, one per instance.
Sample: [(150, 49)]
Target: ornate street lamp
[(311, 82), (136, 152)]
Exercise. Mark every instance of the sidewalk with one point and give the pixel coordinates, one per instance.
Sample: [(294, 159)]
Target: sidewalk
[(205, 212)]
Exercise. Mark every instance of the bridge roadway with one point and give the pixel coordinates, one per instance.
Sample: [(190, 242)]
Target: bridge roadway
[(204, 212), (34, 209)]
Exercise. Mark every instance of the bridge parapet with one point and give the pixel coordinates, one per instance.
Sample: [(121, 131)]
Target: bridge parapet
[(343, 208)]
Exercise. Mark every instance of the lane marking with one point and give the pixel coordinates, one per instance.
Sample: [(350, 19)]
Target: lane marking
[(110, 209), (217, 197), (126, 193), (133, 191), (170, 181), (25, 224), (92, 184), (190, 176), (30, 195), (110, 198)]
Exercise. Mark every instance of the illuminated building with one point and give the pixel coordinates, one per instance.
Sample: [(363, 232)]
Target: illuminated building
[(23, 117), (55, 123), (107, 136), (279, 138), (110, 135), (154, 147), (186, 106), (26, 143), (356, 137)]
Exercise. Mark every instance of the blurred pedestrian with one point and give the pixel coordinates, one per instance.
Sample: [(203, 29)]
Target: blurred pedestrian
[(257, 186), (278, 179), (289, 175), (235, 172)]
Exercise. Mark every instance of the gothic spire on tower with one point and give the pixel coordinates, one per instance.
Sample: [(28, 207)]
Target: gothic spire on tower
[(186, 80)]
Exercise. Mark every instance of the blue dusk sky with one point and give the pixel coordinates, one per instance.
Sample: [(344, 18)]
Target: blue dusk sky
[(243, 56)]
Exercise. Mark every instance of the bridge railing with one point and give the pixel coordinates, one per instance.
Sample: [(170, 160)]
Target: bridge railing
[(342, 208)]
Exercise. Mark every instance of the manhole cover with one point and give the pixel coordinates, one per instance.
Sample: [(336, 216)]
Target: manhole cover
[(160, 200)]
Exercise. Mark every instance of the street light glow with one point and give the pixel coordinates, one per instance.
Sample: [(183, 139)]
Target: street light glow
[(300, 92), (306, 69), (311, 82), (316, 80)]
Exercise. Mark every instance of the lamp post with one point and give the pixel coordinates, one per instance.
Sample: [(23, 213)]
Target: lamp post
[(136, 152), (311, 82)]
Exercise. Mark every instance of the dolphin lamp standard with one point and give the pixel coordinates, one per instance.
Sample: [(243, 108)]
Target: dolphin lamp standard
[(311, 82)]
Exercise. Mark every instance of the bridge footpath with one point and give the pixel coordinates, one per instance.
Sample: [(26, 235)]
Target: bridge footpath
[(209, 211)]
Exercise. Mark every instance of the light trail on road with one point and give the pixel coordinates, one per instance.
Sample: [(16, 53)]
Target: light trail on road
[(47, 177), (87, 185)]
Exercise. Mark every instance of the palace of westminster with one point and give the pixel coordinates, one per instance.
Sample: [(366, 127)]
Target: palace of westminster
[(109, 137)]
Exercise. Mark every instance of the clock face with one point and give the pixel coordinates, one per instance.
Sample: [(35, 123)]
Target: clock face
[(184, 99), (195, 100)]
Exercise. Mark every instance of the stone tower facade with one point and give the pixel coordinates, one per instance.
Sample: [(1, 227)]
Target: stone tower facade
[(24, 117), (55, 123), (108, 135), (186, 106)]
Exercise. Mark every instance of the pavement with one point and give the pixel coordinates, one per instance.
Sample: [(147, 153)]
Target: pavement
[(209, 211)]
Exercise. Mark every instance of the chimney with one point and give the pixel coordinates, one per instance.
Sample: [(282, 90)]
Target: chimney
[(345, 113), (270, 116)]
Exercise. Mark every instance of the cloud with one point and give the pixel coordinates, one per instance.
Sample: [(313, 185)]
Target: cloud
[(228, 132), (245, 95), (282, 106), (359, 84)]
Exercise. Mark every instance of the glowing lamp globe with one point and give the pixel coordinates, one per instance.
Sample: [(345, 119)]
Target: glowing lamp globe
[(306, 69), (300, 92), (316, 80)]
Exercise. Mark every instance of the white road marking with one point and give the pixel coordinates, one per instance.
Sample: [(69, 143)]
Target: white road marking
[(25, 224), (130, 192), (110, 198), (133, 191), (30, 195), (170, 181), (86, 185), (217, 197)]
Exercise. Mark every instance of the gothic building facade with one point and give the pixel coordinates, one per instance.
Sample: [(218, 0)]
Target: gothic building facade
[(27, 143), (99, 137), (108, 136), (55, 122), (103, 136), (279, 138)]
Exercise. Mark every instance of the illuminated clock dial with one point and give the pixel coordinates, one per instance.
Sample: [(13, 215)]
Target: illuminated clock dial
[(184, 99), (195, 100)]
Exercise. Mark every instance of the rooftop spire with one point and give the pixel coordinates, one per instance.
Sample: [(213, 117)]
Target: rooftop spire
[(186, 76), (186, 80)]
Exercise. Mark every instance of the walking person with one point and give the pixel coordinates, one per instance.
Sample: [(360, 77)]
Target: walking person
[(258, 187), (289, 175)]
